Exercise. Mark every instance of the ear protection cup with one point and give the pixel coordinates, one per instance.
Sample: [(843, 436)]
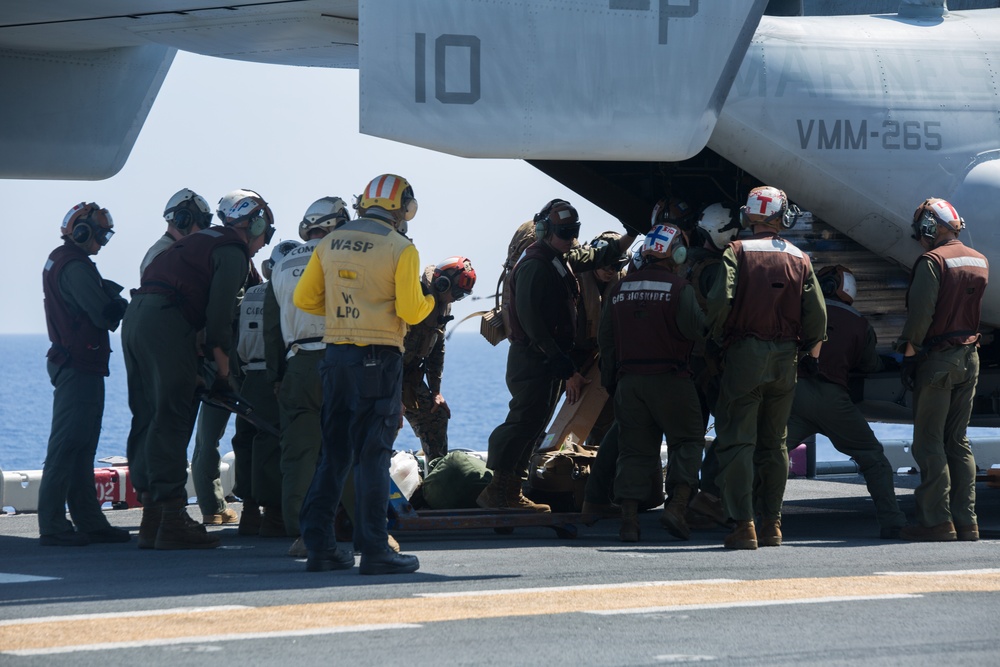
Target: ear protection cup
[(925, 226), (409, 206), (679, 255), (83, 230), (828, 284), (257, 226), (542, 218), (441, 284), (182, 217)]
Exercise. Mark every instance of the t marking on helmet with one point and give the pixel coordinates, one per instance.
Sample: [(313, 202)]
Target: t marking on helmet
[(764, 202)]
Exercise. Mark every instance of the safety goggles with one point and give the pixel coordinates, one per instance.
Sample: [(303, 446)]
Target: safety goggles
[(104, 235), (566, 232)]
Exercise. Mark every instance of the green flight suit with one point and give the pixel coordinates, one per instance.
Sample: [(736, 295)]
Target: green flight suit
[(756, 392)]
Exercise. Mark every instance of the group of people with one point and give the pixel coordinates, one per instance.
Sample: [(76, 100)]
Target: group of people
[(704, 322), (344, 337), (316, 347)]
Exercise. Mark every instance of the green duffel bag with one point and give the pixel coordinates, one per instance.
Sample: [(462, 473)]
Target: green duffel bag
[(454, 481)]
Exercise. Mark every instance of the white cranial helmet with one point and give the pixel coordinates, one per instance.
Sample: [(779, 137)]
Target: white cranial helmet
[(327, 213), (718, 225)]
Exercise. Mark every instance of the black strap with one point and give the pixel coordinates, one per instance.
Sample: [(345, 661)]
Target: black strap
[(937, 340)]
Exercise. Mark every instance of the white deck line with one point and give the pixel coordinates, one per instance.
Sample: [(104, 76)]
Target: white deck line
[(582, 587), (124, 614)]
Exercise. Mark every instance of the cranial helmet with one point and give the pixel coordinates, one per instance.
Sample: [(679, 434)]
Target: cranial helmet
[(665, 242), (934, 212), (718, 225), (85, 222), (327, 214), (391, 193), (187, 209), (675, 211), (558, 217), (767, 205), (245, 209), (277, 253), (837, 282), (456, 275), (602, 240)]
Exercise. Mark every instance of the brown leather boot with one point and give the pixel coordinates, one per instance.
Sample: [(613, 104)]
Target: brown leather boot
[(672, 517), (942, 532), (494, 496), (180, 531), (744, 536), (770, 533), (629, 531), (150, 523), (516, 499), (968, 533)]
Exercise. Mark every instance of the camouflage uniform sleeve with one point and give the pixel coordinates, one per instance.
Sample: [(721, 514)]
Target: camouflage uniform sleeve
[(584, 259), (434, 365)]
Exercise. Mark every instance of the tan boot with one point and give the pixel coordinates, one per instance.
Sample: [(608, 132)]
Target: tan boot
[(180, 531), (672, 517), (494, 496), (744, 536), (516, 499), (150, 523), (630, 521), (770, 533)]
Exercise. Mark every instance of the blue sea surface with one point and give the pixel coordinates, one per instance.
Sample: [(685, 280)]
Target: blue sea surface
[(473, 385)]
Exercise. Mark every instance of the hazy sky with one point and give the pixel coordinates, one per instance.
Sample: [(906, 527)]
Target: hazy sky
[(290, 133)]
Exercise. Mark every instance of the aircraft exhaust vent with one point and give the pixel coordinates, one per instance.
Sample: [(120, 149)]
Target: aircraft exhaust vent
[(923, 9)]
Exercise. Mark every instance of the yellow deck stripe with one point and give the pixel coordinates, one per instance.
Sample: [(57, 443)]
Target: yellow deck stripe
[(346, 614)]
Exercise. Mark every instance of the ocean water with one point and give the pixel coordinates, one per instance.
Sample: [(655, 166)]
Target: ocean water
[(473, 386)]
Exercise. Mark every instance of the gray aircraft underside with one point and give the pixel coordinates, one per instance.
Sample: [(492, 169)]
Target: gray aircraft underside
[(858, 118)]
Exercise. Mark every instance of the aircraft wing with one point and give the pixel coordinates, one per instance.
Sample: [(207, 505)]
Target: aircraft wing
[(546, 79), (79, 78)]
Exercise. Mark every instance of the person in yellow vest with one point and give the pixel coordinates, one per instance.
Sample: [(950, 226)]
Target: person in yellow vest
[(364, 278)]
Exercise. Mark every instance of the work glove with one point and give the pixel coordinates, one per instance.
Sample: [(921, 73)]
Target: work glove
[(889, 362), (908, 372), (809, 365)]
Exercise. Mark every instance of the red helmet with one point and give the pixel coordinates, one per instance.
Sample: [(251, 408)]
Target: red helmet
[(454, 275)]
